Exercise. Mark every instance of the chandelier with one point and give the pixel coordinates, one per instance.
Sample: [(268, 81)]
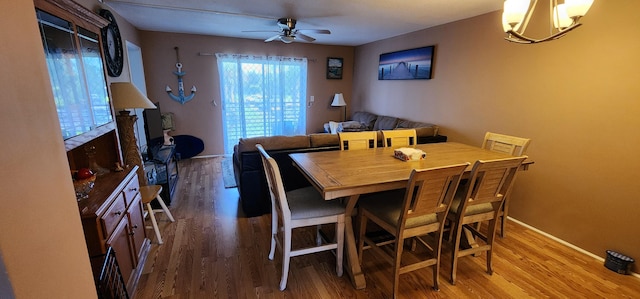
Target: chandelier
[(562, 18)]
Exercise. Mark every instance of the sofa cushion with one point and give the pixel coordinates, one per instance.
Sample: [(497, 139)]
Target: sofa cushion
[(422, 129), (320, 140), (273, 143), (385, 123), (365, 118), (351, 126)]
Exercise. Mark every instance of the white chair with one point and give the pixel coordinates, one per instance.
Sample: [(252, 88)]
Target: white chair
[(300, 208), (399, 138), (480, 200), (358, 140), (515, 146), (149, 193), (419, 209)]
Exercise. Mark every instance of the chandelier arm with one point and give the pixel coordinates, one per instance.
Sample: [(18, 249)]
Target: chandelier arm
[(521, 39)]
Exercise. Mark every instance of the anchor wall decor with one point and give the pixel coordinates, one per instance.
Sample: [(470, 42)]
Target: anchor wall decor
[(181, 96)]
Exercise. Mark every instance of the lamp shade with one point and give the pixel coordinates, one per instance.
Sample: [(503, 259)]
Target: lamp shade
[(338, 100), (125, 95)]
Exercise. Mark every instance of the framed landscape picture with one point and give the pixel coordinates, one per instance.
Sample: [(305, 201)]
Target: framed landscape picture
[(409, 64), (334, 68)]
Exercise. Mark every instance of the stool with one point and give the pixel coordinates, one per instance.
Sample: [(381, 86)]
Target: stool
[(149, 193)]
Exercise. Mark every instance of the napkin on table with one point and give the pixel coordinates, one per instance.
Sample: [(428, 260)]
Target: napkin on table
[(409, 154)]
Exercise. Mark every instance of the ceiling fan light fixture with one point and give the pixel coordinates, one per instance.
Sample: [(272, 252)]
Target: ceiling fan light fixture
[(287, 39)]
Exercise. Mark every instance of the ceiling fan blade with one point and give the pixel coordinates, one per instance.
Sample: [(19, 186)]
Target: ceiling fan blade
[(305, 37), (319, 31), (261, 31), (272, 38)]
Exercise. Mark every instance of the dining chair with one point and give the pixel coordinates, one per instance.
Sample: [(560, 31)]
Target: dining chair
[(417, 210), (399, 138), (515, 146), (480, 200), (300, 208), (358, 140)]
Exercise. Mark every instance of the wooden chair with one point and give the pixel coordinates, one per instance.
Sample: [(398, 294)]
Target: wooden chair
[(481, 199), (418, 210), (515, 146), (399, 138), (358, 140), (150, 193), (300, 208)]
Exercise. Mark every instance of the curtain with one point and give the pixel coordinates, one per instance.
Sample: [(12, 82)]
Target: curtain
[(261, 96)]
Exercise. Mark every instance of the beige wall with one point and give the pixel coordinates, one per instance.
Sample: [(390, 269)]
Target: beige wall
[(202, 118), (577, 98), (41, 239)]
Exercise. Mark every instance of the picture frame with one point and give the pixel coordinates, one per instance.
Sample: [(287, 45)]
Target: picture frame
[(411, 64), (334, 67)]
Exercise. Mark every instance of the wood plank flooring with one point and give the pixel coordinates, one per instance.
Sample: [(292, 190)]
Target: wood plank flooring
[(212, 251)]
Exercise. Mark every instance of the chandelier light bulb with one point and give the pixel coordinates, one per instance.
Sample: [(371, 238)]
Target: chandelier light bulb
[(560, 18)]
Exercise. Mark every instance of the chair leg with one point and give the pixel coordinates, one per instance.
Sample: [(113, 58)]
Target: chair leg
[(274, 232), (286, 257), (436, 254), (154, 223), (340, 244), (399, 246), (491, 235), (454, 254), (503, 218), (164, 208)]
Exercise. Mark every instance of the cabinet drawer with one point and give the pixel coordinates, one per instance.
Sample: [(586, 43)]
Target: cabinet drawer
[(131, 190), (113, 215)]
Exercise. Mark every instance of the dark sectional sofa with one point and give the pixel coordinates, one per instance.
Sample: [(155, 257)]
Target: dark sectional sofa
[(247, 164)]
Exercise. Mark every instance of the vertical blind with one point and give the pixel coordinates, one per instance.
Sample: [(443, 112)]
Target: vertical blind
[(261, 96)]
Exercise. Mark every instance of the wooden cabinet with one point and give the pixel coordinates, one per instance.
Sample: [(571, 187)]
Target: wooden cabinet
[(113, 216)]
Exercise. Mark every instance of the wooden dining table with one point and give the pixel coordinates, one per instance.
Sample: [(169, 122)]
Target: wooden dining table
[(349, 174)]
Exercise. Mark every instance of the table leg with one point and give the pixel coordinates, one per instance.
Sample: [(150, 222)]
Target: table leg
[(353, 266)]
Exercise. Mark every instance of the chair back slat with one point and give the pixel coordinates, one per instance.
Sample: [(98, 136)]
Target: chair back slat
[(399, 138), (358, 140)]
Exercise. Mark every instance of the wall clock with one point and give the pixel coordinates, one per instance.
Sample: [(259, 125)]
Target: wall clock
[(112, 45)]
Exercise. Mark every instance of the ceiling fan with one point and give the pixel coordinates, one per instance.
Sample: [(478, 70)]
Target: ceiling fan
[(288, 32)]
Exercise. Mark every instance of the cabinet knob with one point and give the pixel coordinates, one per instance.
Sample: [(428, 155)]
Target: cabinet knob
[(135, 226), (118, 213), (133, 189)]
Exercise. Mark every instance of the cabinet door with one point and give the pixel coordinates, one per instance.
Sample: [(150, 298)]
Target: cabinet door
[(121, 243), (136, 222)]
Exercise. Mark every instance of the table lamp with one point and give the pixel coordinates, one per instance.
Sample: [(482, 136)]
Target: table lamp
[(338, 101), (126, 96)]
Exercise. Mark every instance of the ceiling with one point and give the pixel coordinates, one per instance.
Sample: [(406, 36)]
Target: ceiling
[(351, 22)]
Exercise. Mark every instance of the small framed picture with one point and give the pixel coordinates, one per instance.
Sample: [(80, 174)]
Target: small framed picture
[(334, 68)]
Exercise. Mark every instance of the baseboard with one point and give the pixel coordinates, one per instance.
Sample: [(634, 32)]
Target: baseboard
[(209, 156), (563, 242)]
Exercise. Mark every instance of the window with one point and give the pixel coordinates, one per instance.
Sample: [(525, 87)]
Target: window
[(261, 96), (76, 73)]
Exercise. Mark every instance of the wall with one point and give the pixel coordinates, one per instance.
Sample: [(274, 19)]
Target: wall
[(41, 239), (576, 98), (202, 116)]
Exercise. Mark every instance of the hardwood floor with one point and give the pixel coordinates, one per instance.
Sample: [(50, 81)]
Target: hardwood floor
[(212, 251)]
